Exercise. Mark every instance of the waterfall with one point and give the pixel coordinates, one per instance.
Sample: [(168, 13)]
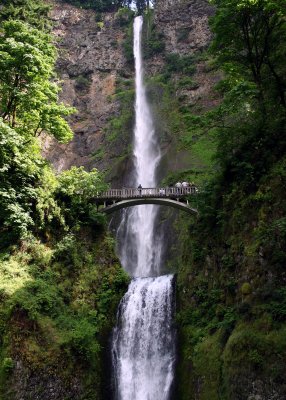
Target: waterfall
[(144, 347), (138, 254), (143, 343)]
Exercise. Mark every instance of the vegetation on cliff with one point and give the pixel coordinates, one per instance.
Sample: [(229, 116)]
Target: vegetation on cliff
[(112, 5), (60, 282), (232, 278)]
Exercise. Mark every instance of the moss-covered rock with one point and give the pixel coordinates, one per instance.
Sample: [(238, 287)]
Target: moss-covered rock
[(56, 317)]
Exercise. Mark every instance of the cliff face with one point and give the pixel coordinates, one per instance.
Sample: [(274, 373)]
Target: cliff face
[(90, 61), (97, 75), (184, 24), (183, 79)]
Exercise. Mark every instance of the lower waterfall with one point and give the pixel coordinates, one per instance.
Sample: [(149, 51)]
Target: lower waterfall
[(143, 351)]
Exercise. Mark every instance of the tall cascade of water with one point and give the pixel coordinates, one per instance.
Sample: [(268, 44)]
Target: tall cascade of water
[(143, 346), (138, 253)]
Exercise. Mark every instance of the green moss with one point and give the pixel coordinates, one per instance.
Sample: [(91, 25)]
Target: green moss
[(246, 288), (207, 365), (249, 351), (57, 312)]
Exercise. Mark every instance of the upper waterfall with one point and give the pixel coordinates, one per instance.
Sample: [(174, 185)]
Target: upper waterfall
[(140, 249), (146, 150)]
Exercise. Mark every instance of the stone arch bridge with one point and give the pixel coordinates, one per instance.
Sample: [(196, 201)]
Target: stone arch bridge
[(117, 199)]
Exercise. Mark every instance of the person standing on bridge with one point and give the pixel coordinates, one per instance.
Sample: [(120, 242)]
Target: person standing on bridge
[(140, 189), (178, 187)]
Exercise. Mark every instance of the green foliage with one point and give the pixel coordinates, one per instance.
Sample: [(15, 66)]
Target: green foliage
[(76, 192), (101, 5), (57, 299), (120, 126), (28, 99), (81, 185), (20, 169), (124, 16), (7, 364), (82, 82), (249, 42), (14, 275), (57, 305), (32, 198), (246, 288), (179, 64), (188, 83), (240, 234), (153, 40), (39, 297), (128, 45), (34, 12)]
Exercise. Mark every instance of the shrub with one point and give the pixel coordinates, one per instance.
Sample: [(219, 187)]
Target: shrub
[(180, 64), (82, 82), (246, 288), (7, 364), (124, 16)]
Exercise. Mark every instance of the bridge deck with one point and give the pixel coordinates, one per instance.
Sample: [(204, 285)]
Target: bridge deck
[(131, 193)]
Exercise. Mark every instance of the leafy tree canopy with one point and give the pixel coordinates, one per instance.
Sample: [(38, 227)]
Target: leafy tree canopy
[(32, 198), (28, 97), (34, 12), (20, 170), (250, 42), (249, 45)]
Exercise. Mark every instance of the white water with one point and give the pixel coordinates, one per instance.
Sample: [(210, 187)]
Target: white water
[(143, 347), (138, 255)]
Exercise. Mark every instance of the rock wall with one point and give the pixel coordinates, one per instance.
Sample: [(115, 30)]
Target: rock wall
[(90, 60), (185, 28), (173, 17)]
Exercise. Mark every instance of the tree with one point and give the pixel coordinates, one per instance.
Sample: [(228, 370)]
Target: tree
[(28, 97), (32, 197), (249, 124), (102, 5), (250, 40), (20, 171), (34, 12), (76, 192), (142, 5)]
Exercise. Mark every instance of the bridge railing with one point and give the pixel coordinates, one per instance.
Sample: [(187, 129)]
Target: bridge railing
[(129, 193)]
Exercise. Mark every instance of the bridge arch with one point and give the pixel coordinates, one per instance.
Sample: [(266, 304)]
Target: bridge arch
[(159, 201)]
